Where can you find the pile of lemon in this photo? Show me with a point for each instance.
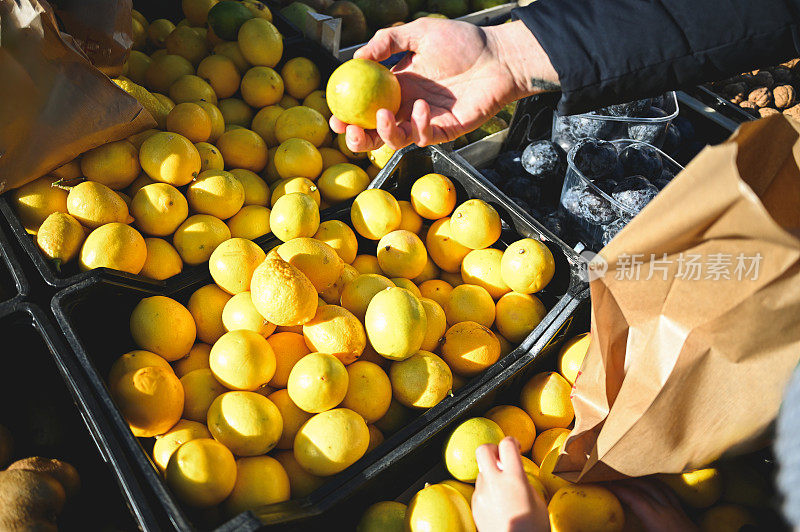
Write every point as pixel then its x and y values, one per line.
pixel 297 362
pixel 234 135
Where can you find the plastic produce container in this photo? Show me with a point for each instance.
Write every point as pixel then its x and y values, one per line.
pixel 94 316
pixel 597 228
pixel 568 129
pixel 13 285
pixel 51 412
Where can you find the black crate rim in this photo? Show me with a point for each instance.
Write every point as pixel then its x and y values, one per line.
pixel 14 267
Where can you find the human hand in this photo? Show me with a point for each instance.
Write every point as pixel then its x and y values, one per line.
pixel 456 77
pixel 656 506
pixel 503 500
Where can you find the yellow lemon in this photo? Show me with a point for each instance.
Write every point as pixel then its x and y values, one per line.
pixel 196 11
pixel 94 204
pixel 385 516
pixel 438 507
pixel 205 305
pixel 341 143
pixel 201 472
pixel 260 480
pixel 196 359
pixel 699 488
pixel 443 248
pixel 282 294
pixel 242 360
pixel 232 51
pixel 163 326
pixel 242 148
pixel 187 43
pixel 532 472
pixel 469 302
pixel 240 313
pixel 258 9
pixel 301 76
pixel 316 100
pixel 294 215
pixel 165 70
pixel 342 182
pixel 261 86
pixel 191 121
pixel 294 184
pixel 381 156
pixel 340 237
pixel 37 200
pixel 247 423
pixel 303 123
pixel 260 42
pixel 136 140
pixel 433 196
pixel 116 246
pixel 210 157
pixel 726 518
pixel 401 254
pixel 421 381
pixel 437 324
pixel 317 382
pixel 482 267
pixel 251 222
pixel 333 294
pixel 198 236
pixel 60 238
pixel 358 89
pixel 373 171
pixel 331 441
pixel 159 209
pixel 115 164
pixel 437 290
pixel 515 422
pixel 317 260
pixel 408 284
pixel 264 123
pixel 395 323
pixel 233 262
pixel 142 181
pixel 289 347
pixel 586 507
pixel 375 213
pixel 139 36
pixel 469 348
pixel 546 398
pixel 518 315
pixel 301 481
pixel 367 264
pixel 331 157
pixel 527 266
pixel 369 391
pixel 357 294
pixel 217 120
pixel 429 272
pixel 409 219
pixel 256 191
pixel 288 102
pixel 293 417
pixel 298 158
pixel 200 389
pixel 133 361
pixel 466 490
pixel 191 88
pixel 220 72
pixel 547 441
pixel 451 278
pixel 475 224
pixel 235 113
pixel 167 104
pixel 170 158
pixel 158 31
pixel 183 431
pixel 150 399
pixel 396 417
pixel 375 437
pixel 459 451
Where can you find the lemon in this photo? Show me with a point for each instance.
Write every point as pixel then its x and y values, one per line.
pixel 317 382
pixel 37 200
pixel 340 237
pixel 201 472
pixel 232 264
pixel 150 399
pixel 162 260
pixel 439 507
pixel 260 480
pixel 316 259
pixel 217 120
pixel 139 36
pixel 358 89
pixel 216 192
pixel 421 381
pixel 196 359
pixel 331 157
pixel 163 326
pixel 187 43
pixel 380 157
pixel 699 488
pixel 301 481
pixel 316 100
pixel 468 302
pixel 550 480
pixel 445 251
pixel 251 222
pixel 331 441
pixel 437 324
pixel 469 348
pixel 282 294
pixel 288 347
pixel 116 246
pixel 395 323
pixel 165 102
pixel 164 71
pixel 375 437
pixel 475 224
pixel 527 266
pixel 198 236
pixel 191 121
pixel 158 31
pixel 294 215
pixel 232 51
pixel 385 516
pixel 264 123
pixel 240 313
pixel 258 9
pixel 115 164
pixel 161 53
pixel 396 417
pixel 367 264
pixel 433 196
pixel 437 290
pixel 357 294
pixel 132 361
pixel 341 143
pixel 518 314
pixel 369 391
pixel 451 278
pixel 586 507
pixel 142 181
pixel 166 444
pixel 210 157
pixel 60 238
pixel 514 421
pixel 292 416
pixel 532 472
pixel 205 305
pixel 459 451
pixel 159 209
pixel 333 294
pixel 373 171
pixel 235 113
pixel 200 389
pixel 245 422
pixel 375 213
pixel 466 490
pixel 261 86
pixel 294 184
pixel 303 123
pixel 256 191
pixel 342 182
pixel 170 158
pixel 298 158
pixel 242 148
pixel 409 219
pixel 191 88
pixel 547 441
pixel 221 73
pixel 288 102
pixel 260 42
pixel 408 284
pixel 196 11
pixel 94 204
pixel 242 360
pixel 726 517
pixel 429 272
pixel 302 77
pixel 546 398
pixel 72 169
pixel 482 267
pixel 401 254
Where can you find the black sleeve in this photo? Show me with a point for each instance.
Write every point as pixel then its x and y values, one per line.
pixel 611 51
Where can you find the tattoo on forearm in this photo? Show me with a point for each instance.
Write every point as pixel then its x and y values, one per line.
pixel 544 85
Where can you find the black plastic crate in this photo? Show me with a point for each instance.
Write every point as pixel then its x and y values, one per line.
pixel 51 412
pixel 94 316
pixel 13 285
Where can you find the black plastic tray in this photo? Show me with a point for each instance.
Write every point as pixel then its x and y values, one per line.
pixel 49 406
pixel 13 284
pixel 94 316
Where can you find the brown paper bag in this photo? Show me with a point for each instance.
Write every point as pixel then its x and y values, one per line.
pixel 694 323
pixel 54 104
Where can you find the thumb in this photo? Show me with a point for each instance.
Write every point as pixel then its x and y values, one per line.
pixel 385 43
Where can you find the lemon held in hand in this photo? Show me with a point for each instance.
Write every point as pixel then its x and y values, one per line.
pixel 358 89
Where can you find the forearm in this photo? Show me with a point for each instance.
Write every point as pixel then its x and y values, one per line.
pixel 611 51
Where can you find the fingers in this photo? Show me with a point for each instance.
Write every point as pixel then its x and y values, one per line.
pixel 392 134
pixel 508 451
pixel 384 43
pixel 337 125
pixel 487 457
pixel 421 123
